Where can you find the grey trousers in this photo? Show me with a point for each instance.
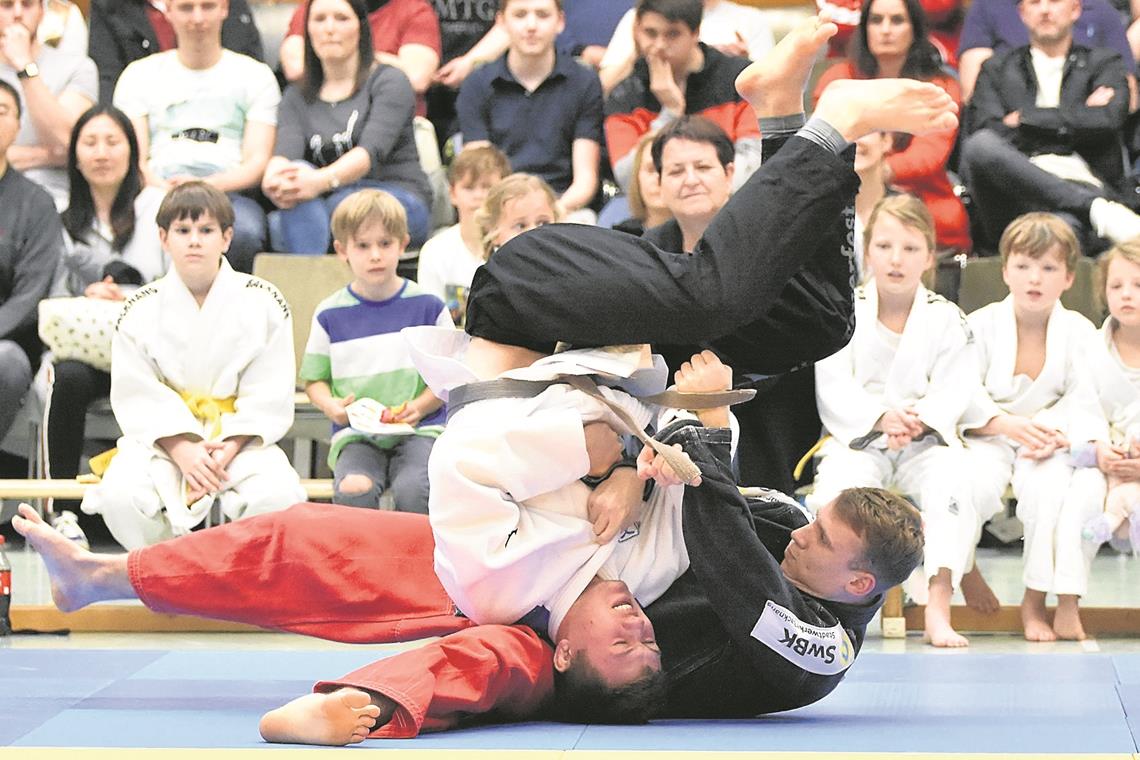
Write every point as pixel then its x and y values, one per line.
pixel 15 379
pixel 403 468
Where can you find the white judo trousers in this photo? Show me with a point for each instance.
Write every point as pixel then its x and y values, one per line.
pixel 236 349
pixel 1054 498
pixel 929 369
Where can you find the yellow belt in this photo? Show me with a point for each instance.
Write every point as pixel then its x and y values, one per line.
pixel 205 409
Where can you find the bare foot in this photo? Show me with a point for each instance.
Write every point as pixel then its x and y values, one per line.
pixel 78 577
pixel 345 716
pixel 774 85
pixel 1067 619
pixel 979 596
pixel 939 632
pixel 856 107
pixel 1034 620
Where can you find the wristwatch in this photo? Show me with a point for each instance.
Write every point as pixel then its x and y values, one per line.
pixel 29 71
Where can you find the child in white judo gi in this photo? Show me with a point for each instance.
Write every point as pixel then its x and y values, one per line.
pixel 201 386
pixel 355 352
pixel 892 398
pixel 1038 408
pixel 1115 363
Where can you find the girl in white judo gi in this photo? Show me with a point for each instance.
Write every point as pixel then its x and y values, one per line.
pixel 1038 408
pixel 1115 363
pixel 202 380
pixel 892 398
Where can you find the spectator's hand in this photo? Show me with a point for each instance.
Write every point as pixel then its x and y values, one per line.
pixel 1100 97
pixel 281 187
pixel 650 464
pixel 738 47
pixel 1023 430
pixel 592 55
pixel 452 73
pixel 898 442
pixel 180 179
pixel 224 452
pixel 203 473
pixel 615 504
pixel 1012 119
pixel 16 46
pixel 410 414
pixel 306 185
pixel 663 86
pixel 1128 469
pixel 106 289
pixel 1107 454
pixel 336 408
pixel 603 446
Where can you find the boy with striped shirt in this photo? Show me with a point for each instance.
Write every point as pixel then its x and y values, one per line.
pixel 355 351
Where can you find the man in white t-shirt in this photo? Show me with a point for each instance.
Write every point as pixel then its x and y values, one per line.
pixel 204 112
pixel 1044 131
pixel 55 86
pixel 731 28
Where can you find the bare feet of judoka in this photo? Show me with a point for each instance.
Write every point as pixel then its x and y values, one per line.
pixel 774 85
pixel 938 631
pixel 78 577
pixel 1067 618
pixel 345 716
pixel 979 596
pixel 1034 620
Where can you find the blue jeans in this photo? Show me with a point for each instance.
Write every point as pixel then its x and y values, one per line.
pixel 249 232
pixel 305 227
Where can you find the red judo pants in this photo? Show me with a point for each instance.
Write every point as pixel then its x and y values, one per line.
pixel 358 576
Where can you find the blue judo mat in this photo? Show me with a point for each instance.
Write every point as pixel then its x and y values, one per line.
pixel 1008 703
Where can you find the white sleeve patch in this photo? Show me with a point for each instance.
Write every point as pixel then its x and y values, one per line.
pixel 823 651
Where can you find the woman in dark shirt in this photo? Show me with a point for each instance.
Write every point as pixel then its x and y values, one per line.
pixel 345 126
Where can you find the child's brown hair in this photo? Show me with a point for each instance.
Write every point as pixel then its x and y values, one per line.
pixel 909 210
pixel 1035 235
pixel 475 163
pixel 193 199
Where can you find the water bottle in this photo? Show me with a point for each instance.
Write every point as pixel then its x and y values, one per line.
pixel 5 591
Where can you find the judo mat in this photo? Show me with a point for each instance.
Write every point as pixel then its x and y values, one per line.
pixel 73 703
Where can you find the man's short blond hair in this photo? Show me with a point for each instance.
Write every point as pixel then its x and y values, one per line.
pixel 368 207
pixel 1035 235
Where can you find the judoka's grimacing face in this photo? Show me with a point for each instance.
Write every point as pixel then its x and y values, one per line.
pixel 1122 291
pixel 1036 284
pixel 822 559
pixel 607 626
pixel 898 255
pixel 196 247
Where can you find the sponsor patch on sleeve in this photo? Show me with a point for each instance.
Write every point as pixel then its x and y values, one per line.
pixel 823 651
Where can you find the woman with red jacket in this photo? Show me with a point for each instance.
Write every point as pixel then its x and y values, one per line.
pixel 891 42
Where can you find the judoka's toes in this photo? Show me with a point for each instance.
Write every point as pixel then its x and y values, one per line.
pixel 1067 625
pixel 326 719
pixel 774 85
pixel 1039 631
pixel 946 638
pixel 858 107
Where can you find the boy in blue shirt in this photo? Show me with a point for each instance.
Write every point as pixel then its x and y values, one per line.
pixel 355 351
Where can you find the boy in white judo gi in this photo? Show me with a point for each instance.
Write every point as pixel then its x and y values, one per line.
pixel 1115 363
pixel 891 401
pixel 1039 406
pixel 201 386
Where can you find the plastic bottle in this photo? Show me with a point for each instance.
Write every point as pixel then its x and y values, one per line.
pixel 5 591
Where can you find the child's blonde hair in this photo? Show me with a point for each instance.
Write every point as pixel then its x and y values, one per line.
pixel 486 160
pixel 368 206
pixel 641 154
pixel 909 210
pixel 1035 234
pixel 508 189
pixel 1129 251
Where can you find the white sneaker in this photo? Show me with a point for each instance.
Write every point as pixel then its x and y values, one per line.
pixel 68 525
pixel 1114 221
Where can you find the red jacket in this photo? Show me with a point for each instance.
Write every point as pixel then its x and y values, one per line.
pixel 920 168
